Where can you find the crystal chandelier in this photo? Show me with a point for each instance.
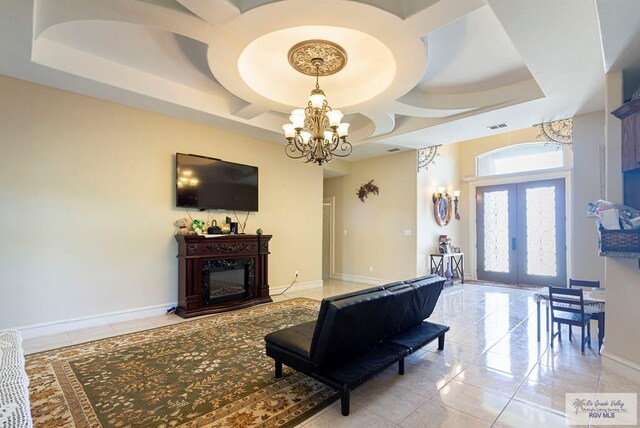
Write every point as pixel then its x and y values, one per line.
pixel 315 133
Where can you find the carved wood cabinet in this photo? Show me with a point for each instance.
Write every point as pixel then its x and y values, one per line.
pixel 629 114
pixel 221 273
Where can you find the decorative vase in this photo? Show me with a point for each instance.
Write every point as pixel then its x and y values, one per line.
pixel 447 273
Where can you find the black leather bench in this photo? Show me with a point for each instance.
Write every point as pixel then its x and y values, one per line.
pixel 360 334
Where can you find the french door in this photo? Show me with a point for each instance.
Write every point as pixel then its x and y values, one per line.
pixel 521 233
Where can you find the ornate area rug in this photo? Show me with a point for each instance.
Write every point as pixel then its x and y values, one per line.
pixel 210 372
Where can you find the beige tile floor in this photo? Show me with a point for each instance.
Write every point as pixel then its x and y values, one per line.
pixel 492 372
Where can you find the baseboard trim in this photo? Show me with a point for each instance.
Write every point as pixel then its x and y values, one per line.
pixel 62 326
pixel 361 279
pixel 621 366
pixel 296 287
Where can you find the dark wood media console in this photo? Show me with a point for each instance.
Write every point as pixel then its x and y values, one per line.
pixel 221 273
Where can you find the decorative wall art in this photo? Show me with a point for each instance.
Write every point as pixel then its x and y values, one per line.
pixel 558 131
pixel 442 207
pixel 426 156
pixel 366 189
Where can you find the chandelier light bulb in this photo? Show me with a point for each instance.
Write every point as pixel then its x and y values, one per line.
pixel 297 118
pixel 289 130
pixel 343 129
pixel 328 135
pixel 317 99
pixel 335 116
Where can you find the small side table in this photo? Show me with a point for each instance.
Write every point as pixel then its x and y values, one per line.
pixel 455 260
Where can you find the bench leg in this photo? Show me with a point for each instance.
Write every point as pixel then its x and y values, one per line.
pixel 344 400
pixel 401 366
pixel 278 369
pixel 441 343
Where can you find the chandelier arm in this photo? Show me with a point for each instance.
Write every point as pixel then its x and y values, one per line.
pixel 291 148
pixel 333 144
pixel 328 156
pixel 299 144
pixel 345 147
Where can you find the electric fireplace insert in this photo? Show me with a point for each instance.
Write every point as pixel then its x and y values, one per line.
pixel 226 280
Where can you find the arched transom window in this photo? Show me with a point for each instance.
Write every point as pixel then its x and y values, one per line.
pixel 520 158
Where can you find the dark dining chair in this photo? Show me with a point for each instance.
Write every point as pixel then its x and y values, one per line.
pixel 567 307
pixel 580 283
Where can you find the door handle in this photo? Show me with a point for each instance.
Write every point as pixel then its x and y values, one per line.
pixel 513 244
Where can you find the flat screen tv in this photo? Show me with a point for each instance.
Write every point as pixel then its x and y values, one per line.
pixel 208 183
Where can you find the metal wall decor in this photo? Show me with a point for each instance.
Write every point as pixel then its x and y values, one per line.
pixel 426 156
pixel 558 131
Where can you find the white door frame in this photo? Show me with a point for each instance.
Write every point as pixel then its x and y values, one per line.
pixel 331 201
pixel 475 182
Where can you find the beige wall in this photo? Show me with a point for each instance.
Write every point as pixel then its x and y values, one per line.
pixel 622 276
pixel 444 172
pixel 588 136
pixel 88 204
pixel 375 229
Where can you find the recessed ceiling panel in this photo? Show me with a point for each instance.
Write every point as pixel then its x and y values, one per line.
pixel 472 54
pixel 156 52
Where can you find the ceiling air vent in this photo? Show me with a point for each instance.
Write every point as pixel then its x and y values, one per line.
pixel 498 126
pixel 393 150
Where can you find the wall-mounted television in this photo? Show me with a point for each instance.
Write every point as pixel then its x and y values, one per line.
pixel 208 183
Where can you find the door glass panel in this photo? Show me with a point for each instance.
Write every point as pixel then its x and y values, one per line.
pixel 541 231
pixel 496 231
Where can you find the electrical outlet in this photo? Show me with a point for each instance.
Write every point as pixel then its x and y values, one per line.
pixel 370 268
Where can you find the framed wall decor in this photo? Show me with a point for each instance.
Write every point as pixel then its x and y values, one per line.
pixel 442 207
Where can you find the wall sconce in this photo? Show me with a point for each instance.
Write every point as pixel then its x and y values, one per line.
pixel 456 193
pixel 442 191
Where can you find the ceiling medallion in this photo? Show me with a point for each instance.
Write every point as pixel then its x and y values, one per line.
pixel 302 56
pixel 315 133
pixel 558 131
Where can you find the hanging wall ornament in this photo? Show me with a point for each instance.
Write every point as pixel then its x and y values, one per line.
pixel 366 189
pixel 426 156
pixel 558 131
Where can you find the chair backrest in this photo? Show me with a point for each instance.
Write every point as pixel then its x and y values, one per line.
pixel 566 300
pixel 349 324
pixel 404 296
pixel 575 283
pixel 428 289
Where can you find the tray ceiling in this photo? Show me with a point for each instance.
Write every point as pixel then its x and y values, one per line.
pixel 418 72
